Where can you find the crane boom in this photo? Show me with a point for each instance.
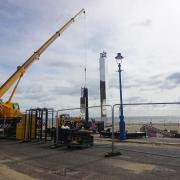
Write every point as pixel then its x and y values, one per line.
pixel 21 69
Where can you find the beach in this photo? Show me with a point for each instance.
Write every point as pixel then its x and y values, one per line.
pixel 135 127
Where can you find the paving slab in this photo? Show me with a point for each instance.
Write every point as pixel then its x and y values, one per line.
pixel 38 161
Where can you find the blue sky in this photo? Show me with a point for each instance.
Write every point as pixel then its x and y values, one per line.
pixel 145 32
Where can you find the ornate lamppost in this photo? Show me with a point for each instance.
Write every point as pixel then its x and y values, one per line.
pixel 122 134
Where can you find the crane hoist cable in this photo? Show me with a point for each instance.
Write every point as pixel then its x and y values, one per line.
pixel 85 53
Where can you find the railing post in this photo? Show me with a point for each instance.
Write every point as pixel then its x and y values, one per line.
pixel 57 128
pixel 112 153
pixel 112 109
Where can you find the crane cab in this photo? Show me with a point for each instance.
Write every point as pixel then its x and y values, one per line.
pixel 10 110
pixel 15 106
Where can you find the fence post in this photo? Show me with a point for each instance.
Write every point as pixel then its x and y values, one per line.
pixel 112 153
pixel 112 109
pixel 57 129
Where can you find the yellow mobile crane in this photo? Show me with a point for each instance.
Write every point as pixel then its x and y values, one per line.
pixel 10 110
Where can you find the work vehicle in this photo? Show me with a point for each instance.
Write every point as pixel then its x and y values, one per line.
pixel 73 122
pixel 10 110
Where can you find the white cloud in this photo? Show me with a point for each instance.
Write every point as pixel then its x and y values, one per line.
pixel 145 32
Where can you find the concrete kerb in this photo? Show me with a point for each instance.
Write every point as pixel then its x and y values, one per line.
pixel 141 142
pixel 150 142
pixel 147 142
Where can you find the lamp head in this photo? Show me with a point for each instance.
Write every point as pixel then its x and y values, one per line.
pixel 119 58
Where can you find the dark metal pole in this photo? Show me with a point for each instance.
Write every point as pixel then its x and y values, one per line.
pixel 121 117
pixel 86 104
pixel 46 123
pixel 112 109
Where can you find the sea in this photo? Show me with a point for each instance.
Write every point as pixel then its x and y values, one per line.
pixel 144 119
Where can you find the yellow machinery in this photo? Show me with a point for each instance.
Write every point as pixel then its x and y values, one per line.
pixel 23 131
pixel 10 110
pixel 73 133
pixel 20 129
pixel 72 122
